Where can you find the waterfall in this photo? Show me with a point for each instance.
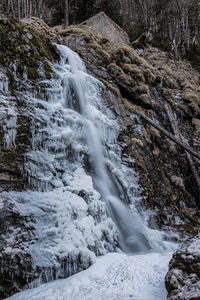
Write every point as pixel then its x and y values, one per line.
pixel 83 195
pixel 130 237
pixel 75 132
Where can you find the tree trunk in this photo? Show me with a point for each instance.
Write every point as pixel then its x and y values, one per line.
pixel 179 135
pixel 66 21
pixel 172 137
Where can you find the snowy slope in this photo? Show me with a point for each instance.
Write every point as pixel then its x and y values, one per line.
pixel 113 277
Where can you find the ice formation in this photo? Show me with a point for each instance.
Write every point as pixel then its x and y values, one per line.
pixel 8 116
pixel 76 174
pixel 113 277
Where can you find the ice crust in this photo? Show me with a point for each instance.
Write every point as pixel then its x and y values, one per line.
pixel 114 277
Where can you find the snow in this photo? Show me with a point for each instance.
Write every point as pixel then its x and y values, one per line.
pixel 194 248
pixel 114 277
pixel 3 82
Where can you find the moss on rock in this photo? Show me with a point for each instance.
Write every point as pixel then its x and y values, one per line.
pixel 23 47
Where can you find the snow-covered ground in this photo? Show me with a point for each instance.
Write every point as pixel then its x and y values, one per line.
pixel 114 276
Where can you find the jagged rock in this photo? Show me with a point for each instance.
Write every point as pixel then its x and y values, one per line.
pixel 40 26
pixel 103 24
pixel 183 278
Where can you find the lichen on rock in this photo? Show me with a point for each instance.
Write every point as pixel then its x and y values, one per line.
pixel 24 49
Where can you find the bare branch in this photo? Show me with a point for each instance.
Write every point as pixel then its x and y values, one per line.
pixel 172 137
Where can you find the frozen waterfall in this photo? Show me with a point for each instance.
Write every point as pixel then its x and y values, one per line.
pixel 75 129
pixel 83 197
pixel 130 237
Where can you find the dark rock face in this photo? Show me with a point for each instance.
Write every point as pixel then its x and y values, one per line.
pixel 183 278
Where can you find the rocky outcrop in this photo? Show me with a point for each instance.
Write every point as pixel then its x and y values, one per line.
pixel 143 80
pixel 103 24
pixel 22 51
pixel 183 278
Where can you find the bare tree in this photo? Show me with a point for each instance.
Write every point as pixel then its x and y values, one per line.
pixel 66 15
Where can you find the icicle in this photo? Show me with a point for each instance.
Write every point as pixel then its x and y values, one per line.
pixel 9 128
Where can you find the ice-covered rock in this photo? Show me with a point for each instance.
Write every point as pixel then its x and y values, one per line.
pixel 114 276
pixel 183 278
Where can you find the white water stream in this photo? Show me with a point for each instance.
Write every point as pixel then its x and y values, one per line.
pixel 131 239
pixel 74 165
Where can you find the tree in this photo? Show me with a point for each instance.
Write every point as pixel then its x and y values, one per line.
pixel 66 15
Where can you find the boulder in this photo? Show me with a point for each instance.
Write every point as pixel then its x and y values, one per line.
pixel 183 278
pixel 103 24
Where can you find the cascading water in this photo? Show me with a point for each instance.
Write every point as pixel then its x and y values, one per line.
pixel 131 239
pixel 75 163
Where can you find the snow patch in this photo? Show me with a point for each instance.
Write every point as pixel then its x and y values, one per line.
pixel 114 277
